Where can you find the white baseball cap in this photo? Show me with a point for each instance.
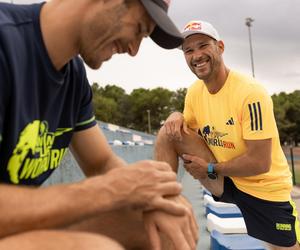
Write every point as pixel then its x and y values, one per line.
pixel 200 27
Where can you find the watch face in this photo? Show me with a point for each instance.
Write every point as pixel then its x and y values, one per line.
pixel 212 176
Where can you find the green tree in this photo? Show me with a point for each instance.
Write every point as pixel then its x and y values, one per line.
pixel 287 114
pixel 178 98
pixel 106 109
pixel 160 106
pixel 108 103
pixel 157 101
pixel 293 115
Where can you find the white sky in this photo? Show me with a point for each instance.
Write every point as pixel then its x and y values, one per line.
pixel 275 38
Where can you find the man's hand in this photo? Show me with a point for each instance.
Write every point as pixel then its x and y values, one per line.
pixel 145 185
pixel 182 231
pixel 175 125
pixel 196 166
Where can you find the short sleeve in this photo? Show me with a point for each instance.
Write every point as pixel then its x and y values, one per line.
pixel 4 91
pixel 86 117
pixel 258 120
pixel 188 112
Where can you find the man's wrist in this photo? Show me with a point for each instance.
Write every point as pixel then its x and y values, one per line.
pixel 211 172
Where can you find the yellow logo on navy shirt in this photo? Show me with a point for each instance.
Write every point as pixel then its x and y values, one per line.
pixel 213 138
pixel 34 152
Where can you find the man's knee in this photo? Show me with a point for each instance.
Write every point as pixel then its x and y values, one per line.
pixel 57 240
pixel 164 140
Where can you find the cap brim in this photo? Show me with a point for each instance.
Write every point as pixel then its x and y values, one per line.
pixel 165 33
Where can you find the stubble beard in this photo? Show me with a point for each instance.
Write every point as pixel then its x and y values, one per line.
pixel 101 36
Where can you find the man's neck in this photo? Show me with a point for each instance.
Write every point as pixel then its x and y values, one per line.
pixel 214 85
pixel 59 38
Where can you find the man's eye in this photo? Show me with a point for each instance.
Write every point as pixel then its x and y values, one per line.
pixel 188 51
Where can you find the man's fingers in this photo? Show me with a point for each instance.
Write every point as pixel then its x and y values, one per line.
pixel 177 132
pixel 194 227
pixel 168 206
pixel 167 128
pixel 163 166
pixel 167 176
pixel 153 235
pixel 187 157
pixel 185 128
pixel 180 241
pixel 192 218
pixel 173 130
pixel 169 189
pixel 190 238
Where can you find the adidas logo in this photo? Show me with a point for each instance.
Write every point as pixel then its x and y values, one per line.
pixel 230 121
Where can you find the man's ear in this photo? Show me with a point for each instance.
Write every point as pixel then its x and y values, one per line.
pixel 221 45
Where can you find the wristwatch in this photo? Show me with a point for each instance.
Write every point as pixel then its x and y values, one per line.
pixel 211 171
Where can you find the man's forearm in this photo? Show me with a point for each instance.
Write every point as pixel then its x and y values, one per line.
pixel 241 166
pixel 24 209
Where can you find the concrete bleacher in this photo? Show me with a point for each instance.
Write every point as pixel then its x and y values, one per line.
pixel 69 171
pixel 223 212
pixel 114 132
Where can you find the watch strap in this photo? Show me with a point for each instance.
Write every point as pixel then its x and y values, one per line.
pixel 211 168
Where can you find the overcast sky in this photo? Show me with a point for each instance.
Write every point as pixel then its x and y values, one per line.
pixel 275 37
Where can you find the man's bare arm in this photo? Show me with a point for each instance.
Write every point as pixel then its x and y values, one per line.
pixel 24 208
pixel 257 160
pixel 92 152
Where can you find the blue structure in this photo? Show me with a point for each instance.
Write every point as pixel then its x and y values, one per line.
pixel 234 242
pixel 224 212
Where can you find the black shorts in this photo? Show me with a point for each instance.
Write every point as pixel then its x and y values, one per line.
pixel 269 221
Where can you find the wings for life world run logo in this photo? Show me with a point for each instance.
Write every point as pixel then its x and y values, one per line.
pixel 34 155
pixel 214 138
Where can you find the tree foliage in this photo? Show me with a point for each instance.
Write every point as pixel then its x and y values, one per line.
pixel 287 114
pixel 112 104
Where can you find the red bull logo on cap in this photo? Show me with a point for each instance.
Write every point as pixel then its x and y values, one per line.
pixel 192 26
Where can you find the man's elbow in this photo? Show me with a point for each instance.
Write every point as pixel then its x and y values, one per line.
pixel 264 165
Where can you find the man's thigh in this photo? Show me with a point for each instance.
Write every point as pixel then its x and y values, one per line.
pixel 58 240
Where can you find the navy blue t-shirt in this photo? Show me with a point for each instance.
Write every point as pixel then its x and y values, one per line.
pixel 40 107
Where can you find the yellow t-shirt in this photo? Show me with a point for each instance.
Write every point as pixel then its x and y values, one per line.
pixel 241 110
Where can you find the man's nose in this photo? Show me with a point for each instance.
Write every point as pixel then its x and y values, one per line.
pixel 197 54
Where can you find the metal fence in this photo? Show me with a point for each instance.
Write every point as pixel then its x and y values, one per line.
pixel 293 156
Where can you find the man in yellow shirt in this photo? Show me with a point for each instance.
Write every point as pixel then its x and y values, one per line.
pixel 234 117
pixel 46 109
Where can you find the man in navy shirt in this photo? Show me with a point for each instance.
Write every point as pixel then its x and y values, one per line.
pixel 45 108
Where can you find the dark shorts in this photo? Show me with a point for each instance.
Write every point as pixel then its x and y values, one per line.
pixel 272 222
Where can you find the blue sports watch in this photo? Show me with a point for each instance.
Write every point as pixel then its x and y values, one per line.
pixel 211 171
